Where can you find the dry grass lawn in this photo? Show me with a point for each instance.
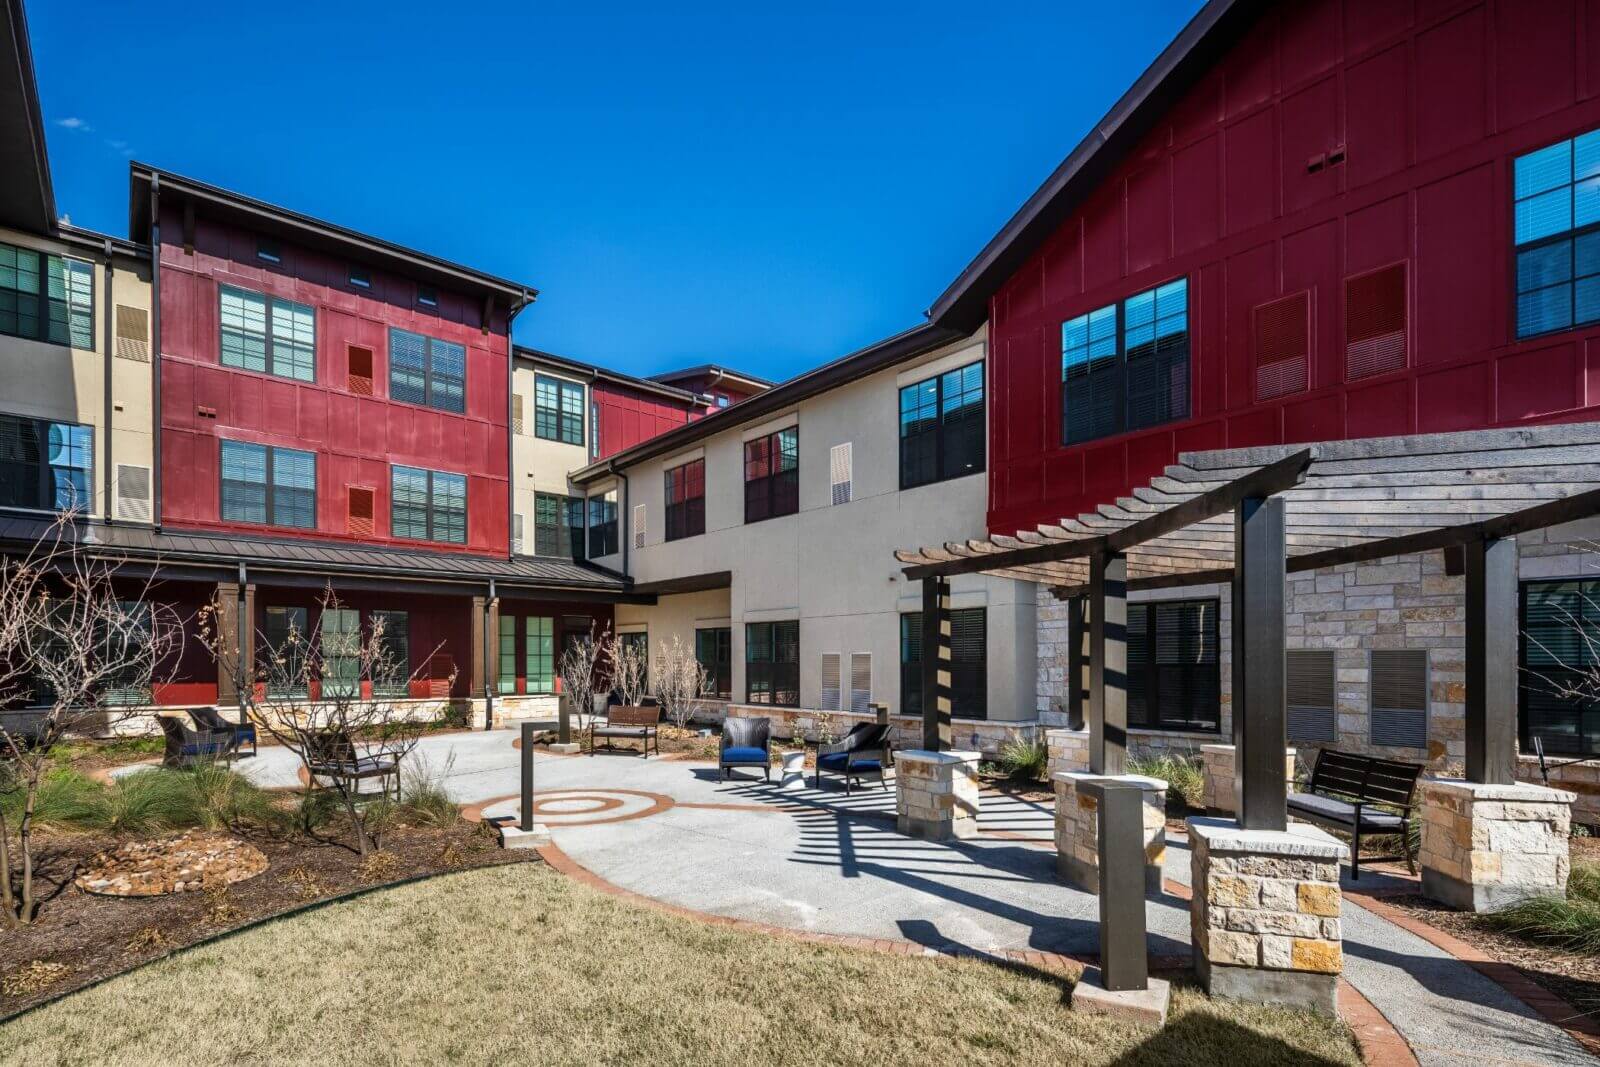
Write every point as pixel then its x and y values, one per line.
pixel 519 964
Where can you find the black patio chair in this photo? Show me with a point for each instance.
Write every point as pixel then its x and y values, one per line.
pixel 186 747
pixel 24 727
pixel 208 718
pixel 861 753
pixel 746 743
pixel 332 754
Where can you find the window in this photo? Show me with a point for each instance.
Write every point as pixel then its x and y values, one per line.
pixel 1126 366
pixel 722 401
pixel 557 410
pixel 594 429
pixel 428 505
pixel 427 296
pixel 686 500
pixel 772 663
pixel 267 334
pixel 1174 681
pixel 360 277
pixel 640 643
pixel 269 486
pixel 268 250
pixel 941 427
pixel 391 671
pixel 508 654
pixel 46 298
pixel 126 685
pixel 603 524
pixel 45 465
pixel 713 647
pixel 540 655
pixel 969 663
pixel 1557 211
pixel 1398 685
pixel 428 371
pixel 772 475
pixel 340 637
pixel 557 525
pixel 1560 624
pixel 1310 691
pixel 283 646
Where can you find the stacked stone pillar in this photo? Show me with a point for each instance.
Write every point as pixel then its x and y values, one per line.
pixel 936 794
pixel 1486 847
pixel 1068 749
pixel 1217 790
pixel 1078 829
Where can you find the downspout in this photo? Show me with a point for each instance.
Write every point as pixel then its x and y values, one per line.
pixel 511 440
pixel 491 669
pixel 246 655
pixel 110 310
pixel 155 338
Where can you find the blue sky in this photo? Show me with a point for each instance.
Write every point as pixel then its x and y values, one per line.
pixel 709 183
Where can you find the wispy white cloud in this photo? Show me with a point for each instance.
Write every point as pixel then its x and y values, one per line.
pixel 73 122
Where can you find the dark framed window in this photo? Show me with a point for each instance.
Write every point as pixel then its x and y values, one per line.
pixel 427 296
pixel 772 475
pixel 594 429
pixel 126 686
pixel 392 671
pixel 1174 677
pixel 1558 654
pixel 640 643
pixel 46 298
pixel 428 505
pixel 267 334
pixel 686 500
pixel 427 371
pixel 1125 366
pixel 1556 208
pixel 339 635
pixel 45 465
pixel 269 486
pixel 941 427
pixel 508 654
pixel 557 410
pixel 539 655
pixel 713 647
pixel 557 525
pixel 284 642
pixel 361 277
pixel 969 663
pixel 603 525
pixel 269 250
pixel 772 663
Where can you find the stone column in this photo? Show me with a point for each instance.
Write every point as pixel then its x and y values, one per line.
pixel 1487 847
pixel 1069 750
pixel 936 794
pixel 1216 761
pixel 1078 829
pixel 1264 917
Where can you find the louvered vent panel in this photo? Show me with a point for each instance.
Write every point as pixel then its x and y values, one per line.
pixel 638 526
pixel 359 378
pixel 133 333
pixel 1282 332
pixel 516 413
pixel 840 464
pixel 1310 692
pixel 133 493
pixel 360 508
pixel 830 681
pixel 1399 690
pixel 860 681
pixel 516 534
pixel 1375 322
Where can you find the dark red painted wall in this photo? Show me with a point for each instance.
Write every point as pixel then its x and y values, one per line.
pixel 356 438
pixel 626 417
pixel 1432 101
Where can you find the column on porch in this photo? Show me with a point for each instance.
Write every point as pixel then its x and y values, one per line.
pixel 1068 746
pixel 485 673
pixel 936 789
pixel 235 623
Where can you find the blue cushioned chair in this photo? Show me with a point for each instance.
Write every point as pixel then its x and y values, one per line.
pixel 746 743
pixel 863 752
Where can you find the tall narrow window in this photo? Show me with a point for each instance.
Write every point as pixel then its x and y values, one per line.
pixel 772 663
pixel 269 486
pixel 969 663
pixel 508 654
pixel 391 670
pixel 428 505
pixel 772 475
pixel 125 685
pixel 555 533
pixel 45 465
pixel 603 524
pixel 267 334
pixel 341 652
pixel 640 643
pixel 1126 366
pixel 557 410
pixel 686 500
pixel 428 371
pixel 1174 681
pixel 283 646
pixel 941 427
pixel 46 298
pixel 1557 220
pixel 713 647
pixel 1560 650
pixel 539 665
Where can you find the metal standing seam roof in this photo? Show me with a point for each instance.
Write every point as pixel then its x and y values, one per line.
pixel 1345 501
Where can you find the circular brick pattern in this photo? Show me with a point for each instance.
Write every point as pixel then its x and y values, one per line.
pixel 577 807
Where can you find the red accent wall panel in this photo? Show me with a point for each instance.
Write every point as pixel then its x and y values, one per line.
pixel 1336 138
pixel 628 417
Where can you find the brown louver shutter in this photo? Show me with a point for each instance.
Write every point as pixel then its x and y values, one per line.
pixel 1399 690
pixel 1282 332
pixel 1375 322
pixel 360 500
pixel 1312 714
pixel 360 370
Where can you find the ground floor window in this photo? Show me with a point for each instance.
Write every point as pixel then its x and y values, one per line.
pixel 969 663
pixel 392 669
pixel 283 646
pixel 508 654
pixel 1174 673
pixel 46 465
pixel 713 647
pixel 340 638
pixel 772 663
pixel 1558 703
pixel 640 643
pixel 539 655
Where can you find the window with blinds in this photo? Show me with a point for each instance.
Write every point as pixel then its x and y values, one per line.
pixel 969 653
pixel 1557 233
pixel 1125 366
pixel 685 494
pixel 267 334
pixel 713 647
pixel 269 486
pixel 557 410
pixel 427 505
pixel 941 427
pixel 427 371
pixel 772 663
pixel 557 525
pixel 1398 687
pixel 1174 677
pixel 1560 647
pixel 46 298
pixel 772 475
pixel 45 465
pixel 1311 695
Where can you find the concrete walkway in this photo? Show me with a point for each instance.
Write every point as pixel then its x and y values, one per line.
pixel 816 860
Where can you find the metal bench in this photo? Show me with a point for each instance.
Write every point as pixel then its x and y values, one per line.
pixel 333 755
pixel 638 724
pixel 1343 790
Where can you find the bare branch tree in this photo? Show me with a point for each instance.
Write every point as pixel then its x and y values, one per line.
pixel 629 665
pixel 681 681
pixel 580 671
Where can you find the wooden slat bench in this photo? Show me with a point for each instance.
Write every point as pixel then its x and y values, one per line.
pixel 640 724
pixel 1343 791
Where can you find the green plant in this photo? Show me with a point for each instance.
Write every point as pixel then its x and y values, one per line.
pixel 148 801
pixel 423 799
pixel 67 799
pixel 1025 758
pixel 225 798
pixel 1185 780
pixel 315 809
pixel 1571 922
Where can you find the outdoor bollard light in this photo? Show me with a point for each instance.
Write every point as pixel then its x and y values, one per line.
pixel 1123 965
pixel 564 718
pixel 527 776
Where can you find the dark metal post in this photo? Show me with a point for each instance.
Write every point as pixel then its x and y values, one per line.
pixel 1108 663
pixel 527 777
pixel 1078 663
pixel 936 658
pixel 1258 664
pixel 1491 601
pixel 1121 843
pixel 564 719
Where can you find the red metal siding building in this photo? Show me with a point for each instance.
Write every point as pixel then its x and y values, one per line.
pixel 1334 179
pixel 627 416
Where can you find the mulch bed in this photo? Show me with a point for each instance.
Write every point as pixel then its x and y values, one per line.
pixel 94 937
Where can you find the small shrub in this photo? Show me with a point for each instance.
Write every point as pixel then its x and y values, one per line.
pixel 315 809
pixel 1571 922
pixel 33 977
pixel 1022 758
pixel 1185 780
pixel 67 800
pixel 149 801
pixel 380 866
pixel 149 937
pixel 423 799
pixel 225 798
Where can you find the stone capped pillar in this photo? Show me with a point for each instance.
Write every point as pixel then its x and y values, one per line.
pixel 1217 790
pixel 1078 829
pixel 1264 917
pixel 1487 847
pixel 936 794
pixel 1069 750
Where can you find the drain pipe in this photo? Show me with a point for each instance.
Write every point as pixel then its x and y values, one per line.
pixel 488 661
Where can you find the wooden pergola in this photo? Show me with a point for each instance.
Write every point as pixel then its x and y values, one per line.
pixel 1251 516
